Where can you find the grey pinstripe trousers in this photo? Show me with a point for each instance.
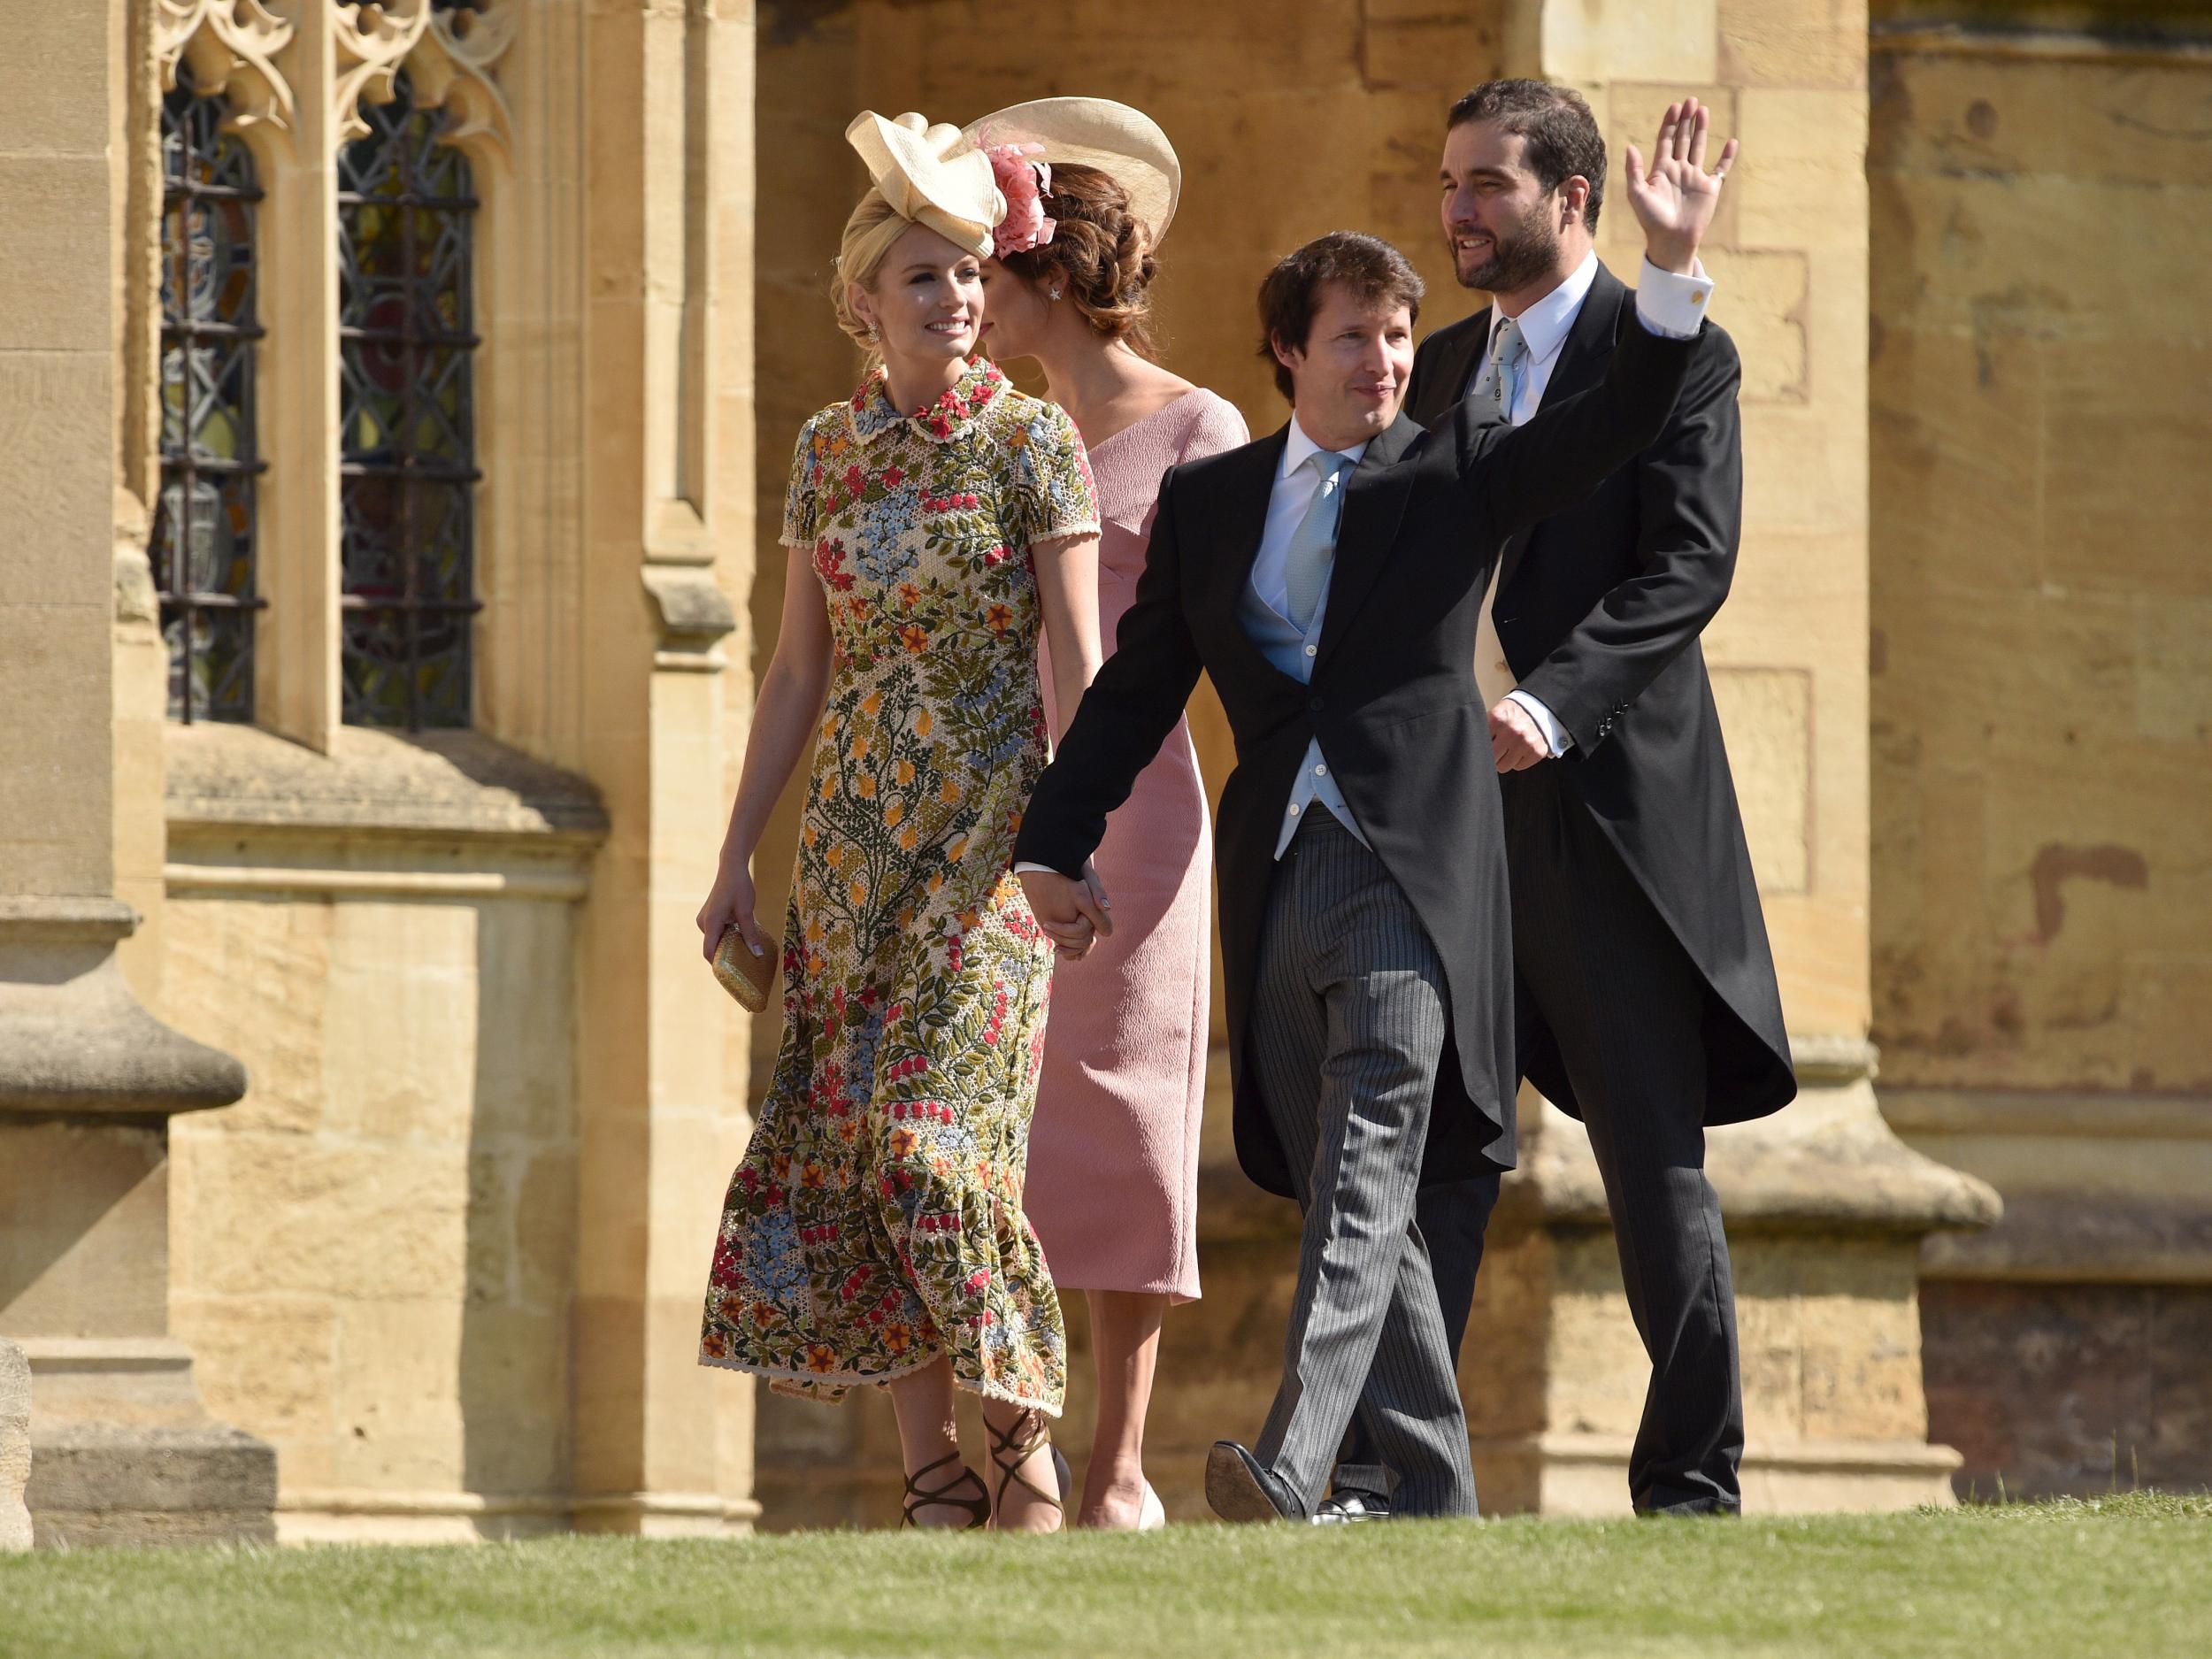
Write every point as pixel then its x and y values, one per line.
pixel 1348 1022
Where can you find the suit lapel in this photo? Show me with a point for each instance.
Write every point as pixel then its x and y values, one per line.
pixel 1240 511
pixel 1581 365
pixel 1456 354
pixel 1236 520
pixel 1374 501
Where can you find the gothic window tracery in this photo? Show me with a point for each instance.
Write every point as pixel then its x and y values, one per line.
pixel 406 210
pixel 205 534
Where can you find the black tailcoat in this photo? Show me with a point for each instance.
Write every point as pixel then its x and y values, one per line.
pixel 1393 701
pixel 1599 609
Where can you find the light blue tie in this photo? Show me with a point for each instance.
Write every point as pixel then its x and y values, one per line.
pixel 1508 361
pixel 1312 550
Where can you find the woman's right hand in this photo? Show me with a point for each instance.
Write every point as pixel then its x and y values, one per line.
pixel 730 901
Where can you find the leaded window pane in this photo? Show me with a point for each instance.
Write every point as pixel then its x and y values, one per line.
pixel 407 344
pixel 203 535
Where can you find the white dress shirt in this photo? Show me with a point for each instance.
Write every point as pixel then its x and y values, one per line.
pixel 1667 305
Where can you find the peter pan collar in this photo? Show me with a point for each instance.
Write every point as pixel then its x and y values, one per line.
pixel 872 413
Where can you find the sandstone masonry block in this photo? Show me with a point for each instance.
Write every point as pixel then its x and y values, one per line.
pixel 1790 44
pixel 59 206
pixel 15 1446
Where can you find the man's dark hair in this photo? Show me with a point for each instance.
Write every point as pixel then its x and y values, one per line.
pixel 1290 293
pixel 1562 134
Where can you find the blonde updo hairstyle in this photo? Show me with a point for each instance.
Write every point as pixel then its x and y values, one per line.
pixel 870 234
pixel 1100 256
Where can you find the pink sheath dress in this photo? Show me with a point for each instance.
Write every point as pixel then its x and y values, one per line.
pixel 1112 1189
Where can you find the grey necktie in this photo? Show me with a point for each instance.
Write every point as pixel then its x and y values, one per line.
pixel 1502 372
pixel 1312 550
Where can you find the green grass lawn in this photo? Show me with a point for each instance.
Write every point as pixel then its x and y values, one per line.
pixel 2125 1576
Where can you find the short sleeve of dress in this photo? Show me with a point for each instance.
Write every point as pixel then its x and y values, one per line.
pixel 800 527
pixel 1054 493
pixel 1218 428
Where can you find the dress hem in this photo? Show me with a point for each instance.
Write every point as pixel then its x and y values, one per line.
pixel 876 1379
pixel 1175 1298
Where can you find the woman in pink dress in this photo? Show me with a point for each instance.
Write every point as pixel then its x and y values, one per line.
pixel 1112 1186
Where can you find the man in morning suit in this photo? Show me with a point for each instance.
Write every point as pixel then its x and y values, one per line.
pixel 1329 578
pixel 1646 1002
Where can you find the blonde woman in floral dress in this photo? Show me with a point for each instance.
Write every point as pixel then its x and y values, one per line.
pixel 938 522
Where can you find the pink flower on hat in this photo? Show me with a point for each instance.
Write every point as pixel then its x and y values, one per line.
pixel 1024 183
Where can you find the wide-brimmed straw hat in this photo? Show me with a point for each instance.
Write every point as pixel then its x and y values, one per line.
pixel 933 175
pixel 1126 145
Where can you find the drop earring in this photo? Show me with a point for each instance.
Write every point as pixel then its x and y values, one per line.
pixel 875 339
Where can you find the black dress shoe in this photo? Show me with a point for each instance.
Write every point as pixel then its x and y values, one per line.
pixel 1690 1509
pixel 1241 1488
pixel 1343 1508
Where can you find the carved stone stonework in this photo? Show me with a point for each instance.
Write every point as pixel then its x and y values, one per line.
pixel 15 1446
pixel 448 55
pixel 693 617
pixel 121 1450
pixel 77 1039
pixel 233 46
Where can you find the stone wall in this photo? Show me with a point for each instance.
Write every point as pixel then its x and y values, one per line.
pixel 450 1254
pixel 15 1446
pixel 374 1252
pixel 2042 635
pixel 2042 715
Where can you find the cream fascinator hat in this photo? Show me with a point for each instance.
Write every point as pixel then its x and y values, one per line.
pixel 1124 144
pixel 933 175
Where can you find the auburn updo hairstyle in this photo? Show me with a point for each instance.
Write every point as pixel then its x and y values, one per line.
pixel 1100 256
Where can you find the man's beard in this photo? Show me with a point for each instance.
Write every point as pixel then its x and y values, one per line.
pixel 1517 259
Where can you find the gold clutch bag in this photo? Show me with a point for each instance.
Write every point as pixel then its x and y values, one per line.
pixel 743 975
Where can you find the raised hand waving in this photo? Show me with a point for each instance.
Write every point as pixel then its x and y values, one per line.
pixel 1675 198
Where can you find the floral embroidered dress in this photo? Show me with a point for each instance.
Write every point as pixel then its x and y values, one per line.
pixel 876 1221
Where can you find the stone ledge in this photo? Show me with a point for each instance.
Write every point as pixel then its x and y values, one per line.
pixel 1567 1473
pixel 125 1475
pixel 47 921
pixel 2085 1115
pixel 2099 1188
pixel 362 1514
pixel 76 1041
pixel 1827 1164
pixel 561 884
pixel 374 782
pixel 2083 1238
pixel 123 1451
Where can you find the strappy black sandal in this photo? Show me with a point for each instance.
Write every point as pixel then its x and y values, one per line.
pixel 978 1507
pixel 1012 1451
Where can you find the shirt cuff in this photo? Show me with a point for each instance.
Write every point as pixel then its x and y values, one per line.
pixel 1026 864
pixel 1670 305
pixel 1556 737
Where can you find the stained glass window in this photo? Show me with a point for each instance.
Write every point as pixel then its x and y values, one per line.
pixel 406 212
pixel 203 550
